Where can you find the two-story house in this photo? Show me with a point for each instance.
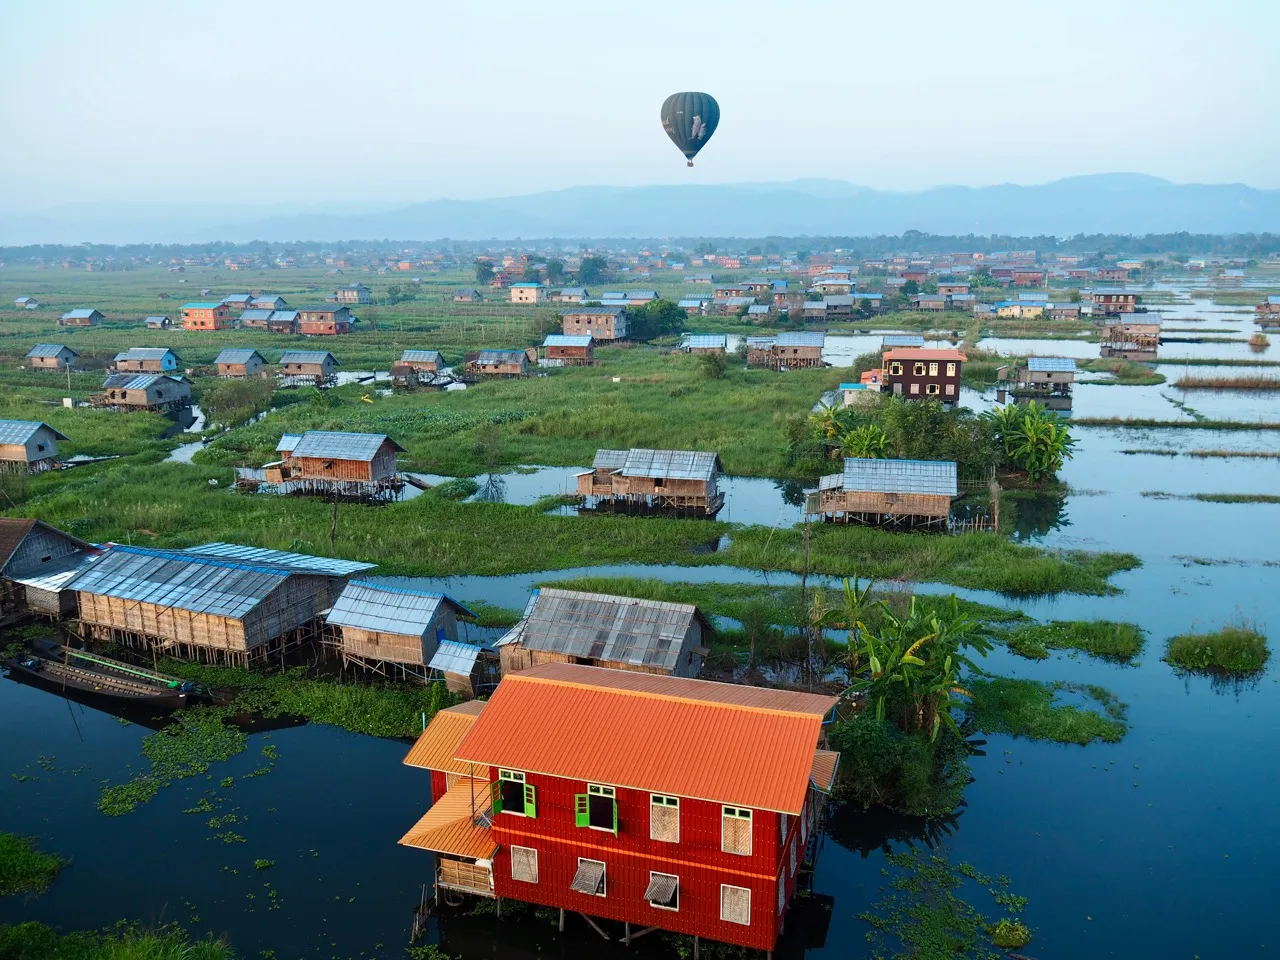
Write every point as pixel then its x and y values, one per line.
pixel 633 799
pixel 206 315
pixel 923 372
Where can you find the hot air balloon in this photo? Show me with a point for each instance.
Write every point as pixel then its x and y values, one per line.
pixel 690 119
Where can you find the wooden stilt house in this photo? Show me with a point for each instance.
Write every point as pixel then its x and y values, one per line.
pixel 1039 377
pixel 641 480
pixel 28 446
pixel 786 351
pixel 900 494
pixel 155 392
pixel 1136 333
pixel 416 367
pixel 238 364
pixel 335 464
pixel 568 350
pixel 52 356
pixel 36 561
pixel 498 363
pixel 625 633
pixel 308 368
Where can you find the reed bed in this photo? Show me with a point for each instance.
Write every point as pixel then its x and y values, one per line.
pixel 1228 383
pixel 35 941
pixel 24 868
pixel 1237 649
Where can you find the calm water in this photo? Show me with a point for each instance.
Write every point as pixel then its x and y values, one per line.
pixel 1160 846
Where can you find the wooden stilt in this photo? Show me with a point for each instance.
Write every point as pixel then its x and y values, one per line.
pixel 626 932
pixel 594 926
pixel 499 908
pixel 641 933
pixel 695 947
pixel 562 919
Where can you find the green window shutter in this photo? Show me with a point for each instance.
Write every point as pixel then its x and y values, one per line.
pixel 530 801
pixel 581 814
pixel 495 796
pixel 615 817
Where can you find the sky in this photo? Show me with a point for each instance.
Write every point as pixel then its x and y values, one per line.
pixel 281 102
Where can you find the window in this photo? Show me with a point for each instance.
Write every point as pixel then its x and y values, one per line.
pixel 794 845
pixel 951 369
pixel 512 795
pixel 782 894
pixel 590 878
pixel 931 389
pixel 735 904
pixel 664 818
pixel 917 369
pixel 782 830
pixel 663 892
pixel 915 388
pixel 597 809
pixel 895 369
pixel 933 369
pixel 951 389
pixel 524 864
pixel 735 831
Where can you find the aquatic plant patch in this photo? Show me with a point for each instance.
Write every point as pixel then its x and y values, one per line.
pixel 1237 649
pixel 1214 497
pixel 1227 383
pixel 25 868
pixel 1106 639
pixel 36 941
pixel 1028 708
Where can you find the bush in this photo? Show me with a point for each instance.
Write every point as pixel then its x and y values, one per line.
pixel 912 775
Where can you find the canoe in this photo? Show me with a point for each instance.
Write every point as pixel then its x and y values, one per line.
pixel 65 669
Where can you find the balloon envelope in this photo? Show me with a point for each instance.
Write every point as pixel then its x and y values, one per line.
pixel 690 119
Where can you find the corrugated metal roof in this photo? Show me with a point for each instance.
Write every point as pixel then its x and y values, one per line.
pixel 1051 364
pixel 49 350
pixel 452 656
pixel 256 315
pixel 612 302
pixel 340 445
pixel 287 442
pixel 823 772
pixel 136 381
pixel 437 745
pixel 924 353
pixel 78 314
pixel 290 316
pixel 185 581
pixel 234 355
pixel 307 356
pixel 567 340
pixel 691 302
pixel 421 356
pixel 54 575
pixel 802 339
pixel 501 356
pixel 831 481
pixel 675 464
pixel 758 308
pixel 613 295
pixel 238 298
pixel 385 609
pixel 902 340
pixel 593 311
pixel 146 353
pixel 451 827
pixel 301 562
pixel 706 341
pixel 158 319
pixel 724 743
pixel 763 343
pixel 900 476
pixel 204 305
pixel 573 292
pixel 609 460
pixel 20 431
pixel 603 627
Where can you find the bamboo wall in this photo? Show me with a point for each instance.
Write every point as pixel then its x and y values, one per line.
pixel 513 657
pixel 896 504
pixel 400 647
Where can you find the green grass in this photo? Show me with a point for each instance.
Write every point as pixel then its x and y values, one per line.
pixel 1237 649
pixel 24 868
pixel 1125 373
pixel 1214 497
pixel 1227 383
pixel 35 941
pixel 1105 639
pixel 1028 708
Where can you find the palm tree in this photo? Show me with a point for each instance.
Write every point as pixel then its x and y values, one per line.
pixel 867 442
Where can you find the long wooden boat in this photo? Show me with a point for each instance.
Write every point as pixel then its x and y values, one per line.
pixel 63 669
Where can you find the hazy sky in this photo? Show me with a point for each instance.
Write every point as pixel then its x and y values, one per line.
pixel 266 100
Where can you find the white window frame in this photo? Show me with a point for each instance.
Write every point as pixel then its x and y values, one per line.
pixel 604 876
pixel 782 894
pixel 536 875
pixel 674 804
pixel 601 790
pixel 745 923
pixel 737 814
pixel 658 906
pixel 512 776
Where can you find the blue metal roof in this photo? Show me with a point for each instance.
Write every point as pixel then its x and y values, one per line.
pixel 78 314
pixel 900 476
pixel 706 341
pixel 307 356
pixel 1051 364
pixel 593 311
pixel 49 350
pixel 257 314
pixel 421 356
pixel 902 340
pixel 802 339
pixel 452 656
pixel 387 609
pixel 340 445
pixel 567 340
pixel 502 356
pixel 20 431
pixel 301 562
pixel 136 381
pixel 146 353
pixel 234 355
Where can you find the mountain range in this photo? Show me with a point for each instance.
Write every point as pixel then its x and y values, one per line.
pixel 1102 203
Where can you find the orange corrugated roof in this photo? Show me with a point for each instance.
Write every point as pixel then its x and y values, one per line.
pixel 450 827
pixel 726 743
pixel 823 772
pixel 923 353
pixel 438 744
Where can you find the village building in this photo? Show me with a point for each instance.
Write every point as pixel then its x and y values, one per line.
pixel 235 605
pixel 698 278
pixel 238 363
pixel 1028 277
pixel 641 480
pixel 160 322
pixel 569 350
pixel 528 292
pixel 466 295
pixel 282 321
pixel 758 286
pixel 1111 274
pixel 901 494
pixel 1138 335
pixel 1062 311
pixel 238 301
pixel 267 303
pixel 602 630
pixel 28 446
pixel 393 630
pixel 336 465
pixel 560 792
pixel 52 356
pixel 206 315
pixel 1113 301
pixel 694 306
pixel 731 306
pixel 759 312
pixel 1268 308
pixel 255 319
pixel 950 287
pixel 322 321
pixel 498 363
pixel 571 295
pixel 416 367
pixel 923 372
pixel 26 303
pixel 891 340
pixel 36 560
pixel 146 360
pixel 833 287
pixel 602 323
pixel 705 343
pixel 786 351
pixel 929 301
pixel 307 368
pixel 638 298
pixel 80 318
pixel 155 392
pixel 356 293
pixel 1039 376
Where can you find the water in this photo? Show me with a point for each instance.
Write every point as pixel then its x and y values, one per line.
pixel 1160 846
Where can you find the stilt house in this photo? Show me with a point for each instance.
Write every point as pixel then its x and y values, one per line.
pixel 786 351
pixel 1139 334
pixel 80 318
pixel 146 360
pixel 356 466
pixel 1040 376
pixel 499 363
pixel 570 792
pixel 894 493
pixel 36 561
pixel 569 350
pixel 28 446
pixel 143 391
pixel 52 356
pixel 705 343
pixel 638 480
pixel 308 368
pixel 236 363
pixel 602 323
pixel 416 367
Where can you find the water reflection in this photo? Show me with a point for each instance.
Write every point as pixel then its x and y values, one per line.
pixel 1034 514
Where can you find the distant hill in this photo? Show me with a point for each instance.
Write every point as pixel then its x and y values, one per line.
pixel 1104 203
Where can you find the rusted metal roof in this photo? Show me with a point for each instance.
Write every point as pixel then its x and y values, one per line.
pixel 437 745
pixel 724 743
pixel 451 827
pixel 823 772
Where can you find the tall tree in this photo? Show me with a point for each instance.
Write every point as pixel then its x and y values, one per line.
pixel 484 271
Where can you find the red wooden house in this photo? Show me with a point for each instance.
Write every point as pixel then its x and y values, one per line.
pixel 564 790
